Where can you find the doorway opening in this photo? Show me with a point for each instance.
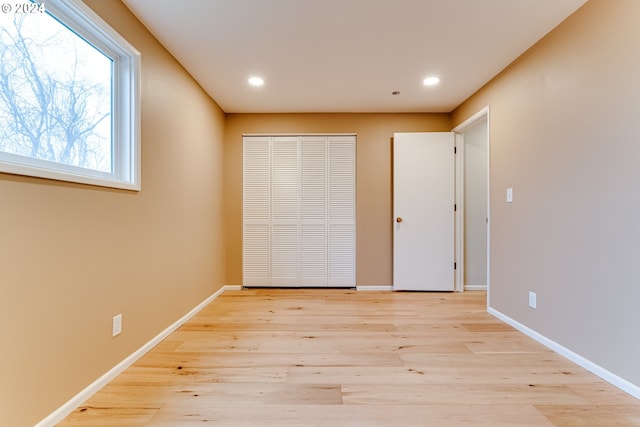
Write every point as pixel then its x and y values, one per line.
pixel 472 198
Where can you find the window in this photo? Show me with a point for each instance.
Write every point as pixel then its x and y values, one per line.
pixel 69 96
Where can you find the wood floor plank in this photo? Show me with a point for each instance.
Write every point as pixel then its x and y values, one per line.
pixel 599 392
pixel 356 416
pixel 488 327
pixel 446 375
pixel 293 324
pixel 371 375
pixel 313 357
pixel 591 415
pixel 452 394
pixel 314 342
pixel 505 345
pixel 165 376
pixel 203 395
pixel 108 417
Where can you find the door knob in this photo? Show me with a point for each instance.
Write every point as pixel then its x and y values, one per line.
pixel 399 219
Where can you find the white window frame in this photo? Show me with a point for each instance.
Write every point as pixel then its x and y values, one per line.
pixel 125 111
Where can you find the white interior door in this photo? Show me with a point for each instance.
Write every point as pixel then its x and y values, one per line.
pixel 423 204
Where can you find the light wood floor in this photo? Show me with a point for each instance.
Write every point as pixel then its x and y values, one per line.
pixel 346 358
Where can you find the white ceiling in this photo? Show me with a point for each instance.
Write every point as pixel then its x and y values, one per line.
pixel 347 55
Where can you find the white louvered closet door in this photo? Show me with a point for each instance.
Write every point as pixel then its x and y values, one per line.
pixel 285 188
pixel 313 211
pixel 256 247
pixel 342 211
pixel 299 211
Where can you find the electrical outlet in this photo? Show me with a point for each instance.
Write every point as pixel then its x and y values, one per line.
pixel 117 325
pixel 533 300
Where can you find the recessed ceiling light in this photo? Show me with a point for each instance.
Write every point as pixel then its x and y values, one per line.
pixel 430 81
pixel 256 81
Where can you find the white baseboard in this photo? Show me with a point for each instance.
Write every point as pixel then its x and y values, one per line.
pixel 598 370
pixel 475 287
pixel 374 288
pixel 59 414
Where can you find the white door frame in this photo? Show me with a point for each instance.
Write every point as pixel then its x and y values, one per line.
pixel 483 114
pixel 459 221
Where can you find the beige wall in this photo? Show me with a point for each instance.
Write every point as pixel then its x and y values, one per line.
pixel 373 178
pixel 565 134
pixel 73 256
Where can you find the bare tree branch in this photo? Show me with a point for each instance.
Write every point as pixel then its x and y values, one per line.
pixel 45 114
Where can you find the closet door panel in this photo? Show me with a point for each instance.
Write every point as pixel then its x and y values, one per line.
pixel 313 211
pixel 342 211
pixel 256 211
pixel 285 188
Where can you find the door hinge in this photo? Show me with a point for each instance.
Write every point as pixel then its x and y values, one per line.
pixel 455 207
pixel 455 265
pixel 455 150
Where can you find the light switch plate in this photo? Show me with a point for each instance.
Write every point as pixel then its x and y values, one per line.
pixel 509 195
pixel 533 303
pixel 117 325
